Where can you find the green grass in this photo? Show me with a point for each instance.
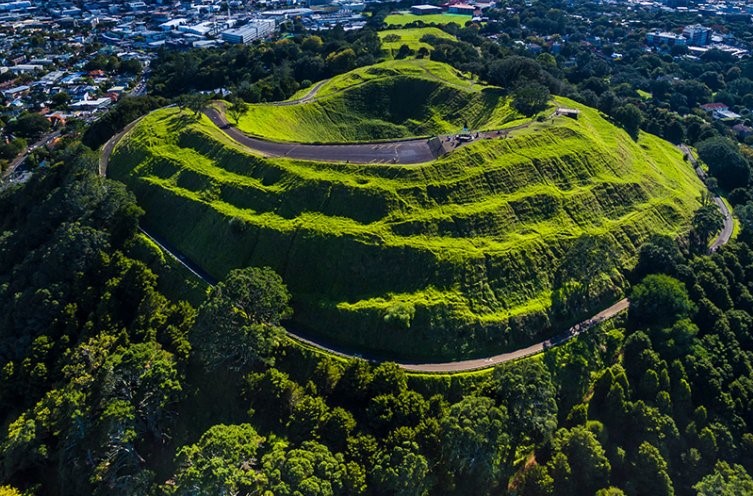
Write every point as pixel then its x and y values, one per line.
pixel 462 249
pixel 411 37
pixel 414 68
pixel 439 19
pixel 394 99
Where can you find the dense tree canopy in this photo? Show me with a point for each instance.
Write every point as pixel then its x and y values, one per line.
pixel 725 162
pixel 531 98
pixel 659 299
pixel 30 126
pixel 707 221
pixel 224 461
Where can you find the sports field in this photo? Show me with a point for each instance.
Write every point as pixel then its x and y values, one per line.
pixel 406 18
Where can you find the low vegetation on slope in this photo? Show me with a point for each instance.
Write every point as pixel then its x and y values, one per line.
pixel 394 99
pixel 459 257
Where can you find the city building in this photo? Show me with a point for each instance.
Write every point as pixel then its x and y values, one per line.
pixel 697 35
pixel 173 24
pixel 720 111
pixel 19 68
pixel 206 28
pixel 250 32
pixel 96 104
pixel 425 9
pixel 714 107
pixel 665 38
pixel 461 8
pixel 15 6
pixel 353 6
pixel 16 92
pixel 281 15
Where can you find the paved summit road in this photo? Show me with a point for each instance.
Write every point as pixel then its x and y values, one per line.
pixel 404 151
pixel 440 367
pixel 413 151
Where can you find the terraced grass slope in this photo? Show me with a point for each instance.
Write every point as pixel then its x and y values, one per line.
pixel 450 259
pixel 394 99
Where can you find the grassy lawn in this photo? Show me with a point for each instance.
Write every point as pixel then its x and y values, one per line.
pixel 405 18
pixel 393 39
pixel 449 259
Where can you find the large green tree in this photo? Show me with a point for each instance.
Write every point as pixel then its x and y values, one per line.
pixel 237 108
pixel 30 126
pixel 579 464
pixel 531 98
pixel 726 480
pixel 238 326
pixel 659 254
pixel 310 470
pixel 649 475
pixel 629 117
pixel 725 162
pixel 659 300
pixel 223 462
pixel 473 438
pixel 401 471
pixel 527 390
pixel 707 221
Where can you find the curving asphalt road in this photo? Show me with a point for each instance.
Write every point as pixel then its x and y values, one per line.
pixel 482 363
pixel 414 151
pixel 726 233
pixel 406 151
pixel 104 155
pixel 441 367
